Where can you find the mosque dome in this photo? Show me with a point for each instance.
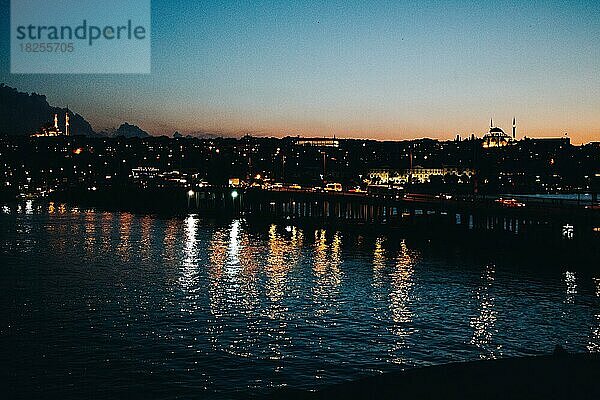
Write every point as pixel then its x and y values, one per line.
pixel 497 130
pixel 496 137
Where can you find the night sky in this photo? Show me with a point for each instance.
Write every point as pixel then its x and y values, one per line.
pixel 378 69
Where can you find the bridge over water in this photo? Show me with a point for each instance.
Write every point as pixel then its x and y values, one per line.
pixel 533 217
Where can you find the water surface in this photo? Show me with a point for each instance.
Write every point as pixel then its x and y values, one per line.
pixel 104 303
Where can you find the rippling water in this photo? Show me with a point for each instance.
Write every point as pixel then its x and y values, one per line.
pixel 99 303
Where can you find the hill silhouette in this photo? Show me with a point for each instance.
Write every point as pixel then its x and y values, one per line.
pixel 24 114
pixel 129 131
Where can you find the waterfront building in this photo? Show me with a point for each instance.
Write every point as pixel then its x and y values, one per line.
pixel 317 142
pixel 417 174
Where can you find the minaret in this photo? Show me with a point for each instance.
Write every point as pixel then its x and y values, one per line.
pixel 514 128
pixel 56 122
pixel 67 123
pixel 491 123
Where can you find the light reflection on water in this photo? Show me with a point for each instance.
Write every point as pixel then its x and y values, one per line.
pixel 124 248
pixel 105 231
pixel 484 323
pixel 594 343
pixel 226 307
pixel 571 284
pixel 327 272
pixel 90 230
pixel 189 269
pixel 401 299
pixel 146 236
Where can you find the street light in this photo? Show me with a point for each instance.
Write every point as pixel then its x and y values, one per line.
pixel 190 195
pixel 234 195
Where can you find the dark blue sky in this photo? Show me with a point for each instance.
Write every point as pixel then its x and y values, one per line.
pixel 382 69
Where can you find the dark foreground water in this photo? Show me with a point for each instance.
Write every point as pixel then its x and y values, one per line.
pixel 98 304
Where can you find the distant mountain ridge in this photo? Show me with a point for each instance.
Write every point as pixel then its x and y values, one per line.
pixel 23 114
pixel 129 131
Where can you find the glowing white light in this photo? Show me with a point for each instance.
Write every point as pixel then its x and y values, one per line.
pixel 571 282
pixel 191 193
pixel 29 207
pixel 567 231
pixel 233 265
pixel 190 253
pixel 234 194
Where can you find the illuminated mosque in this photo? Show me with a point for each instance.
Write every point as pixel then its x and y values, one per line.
pixel 496 137
pixel 49 130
